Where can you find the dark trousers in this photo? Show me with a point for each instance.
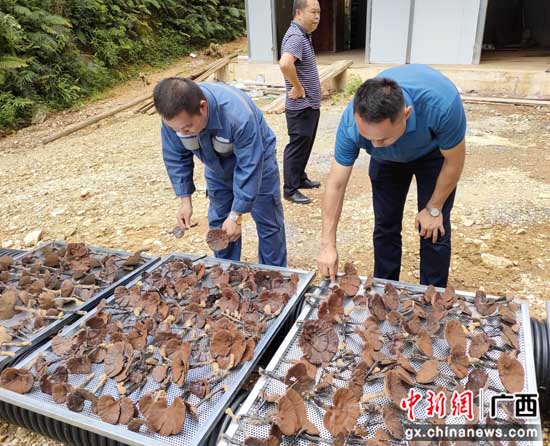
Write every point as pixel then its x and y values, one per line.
pixel 390 185
pixel 302 128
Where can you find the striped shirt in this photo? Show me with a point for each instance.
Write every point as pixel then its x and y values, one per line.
pixel 298 43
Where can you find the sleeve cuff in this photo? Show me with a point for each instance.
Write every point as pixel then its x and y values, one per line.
pixel 184 189
pixel 242 206
pixel 344 162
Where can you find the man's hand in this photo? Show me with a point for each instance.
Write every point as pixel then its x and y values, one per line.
pixel 428 226
pixel 297 92
pixel 327 262
pixel 232 229
pixel 183 216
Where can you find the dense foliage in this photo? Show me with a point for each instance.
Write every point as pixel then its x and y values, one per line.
pixel 54 53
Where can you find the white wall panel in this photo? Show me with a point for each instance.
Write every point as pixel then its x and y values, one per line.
pixel 260 29
pixel 389 30
pixel 444 31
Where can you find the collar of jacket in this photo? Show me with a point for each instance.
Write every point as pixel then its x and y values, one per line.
pixel 214 121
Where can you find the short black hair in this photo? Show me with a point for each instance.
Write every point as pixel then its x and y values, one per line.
pixel 174 95
pixel 299 4
pixel 379 99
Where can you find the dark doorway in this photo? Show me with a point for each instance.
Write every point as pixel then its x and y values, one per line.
pixel 358 24
pixel 330 35
pixel 516 26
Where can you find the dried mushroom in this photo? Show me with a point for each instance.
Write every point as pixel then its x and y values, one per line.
pixel 454 334
pixel 483 305
pixel 17 380
pixel 511 372
pixel 332 309
pixel 319 341
pixel 164 419
pixel 428 372
pixel 344 413
pixel 477 379
pixel 424 343
pixel 481 343
pixel 394 388
pixel 392 421
pixel 291 416
pixel 391 297
pixel 301 376
pixel 349 283
pixel 217 239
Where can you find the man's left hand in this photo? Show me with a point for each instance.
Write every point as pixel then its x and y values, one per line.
pixel 232 229
pixel 428 226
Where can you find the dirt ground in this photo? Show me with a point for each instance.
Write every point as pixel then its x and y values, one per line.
pixel 106 185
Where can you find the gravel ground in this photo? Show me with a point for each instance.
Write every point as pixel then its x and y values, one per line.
pixel 106 185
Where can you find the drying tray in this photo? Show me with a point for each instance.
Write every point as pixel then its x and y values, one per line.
pixel 289 350
pixel 11 252
pixel 41 335
pixel 37 410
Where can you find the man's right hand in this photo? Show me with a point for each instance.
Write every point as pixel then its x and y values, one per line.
pixel 327 262
pixel 183 216
pixel 297 92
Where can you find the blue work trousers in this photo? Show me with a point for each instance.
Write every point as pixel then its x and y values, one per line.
pixel 267 213
pixel 390 185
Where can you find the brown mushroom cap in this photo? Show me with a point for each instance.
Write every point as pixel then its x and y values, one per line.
pixel 424 343
pixel 114 360
pixel 454 334
pixel 17 380
pixel 511 372
pixel 332 309
pixel 458 361
pixel 391 297
pixel 180 364
pixel 344 413
pixel 350 282
pixel 8 299
pixel 510 337
pixel 108 409
pixel 217 239
pixel 481 343
pixel 477 379
pixel 412 325
pixel 372 334
pixel 164 419
pixel 392 420
pixel 319 341
pixel 377 307
pixel 428 372
pixel 394 388
pixel 301 376
pixel 291 415
pixel 227 347
pixel 484 306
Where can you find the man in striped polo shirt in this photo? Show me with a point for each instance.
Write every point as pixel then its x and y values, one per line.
pixel 303 99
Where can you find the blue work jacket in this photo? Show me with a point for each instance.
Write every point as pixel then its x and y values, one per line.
pixel 236 146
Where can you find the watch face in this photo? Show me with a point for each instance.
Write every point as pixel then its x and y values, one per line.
pixel 434 212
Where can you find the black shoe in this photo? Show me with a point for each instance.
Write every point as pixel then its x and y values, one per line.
pixel 297 197
pixel 309 184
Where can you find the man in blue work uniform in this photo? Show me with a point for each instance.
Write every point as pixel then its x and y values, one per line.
pixel 222 127
pixel 410 120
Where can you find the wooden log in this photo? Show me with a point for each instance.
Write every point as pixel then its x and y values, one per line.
pixel 495 100
pixel 200 74
pixel 326 75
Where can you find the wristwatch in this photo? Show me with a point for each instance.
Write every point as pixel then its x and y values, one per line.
pixel 236 218
pixel 434 212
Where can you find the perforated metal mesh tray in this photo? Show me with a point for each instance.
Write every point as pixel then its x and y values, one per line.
pixel 51 329
pixel 35 405
pixel 237 432
pixel 11 252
